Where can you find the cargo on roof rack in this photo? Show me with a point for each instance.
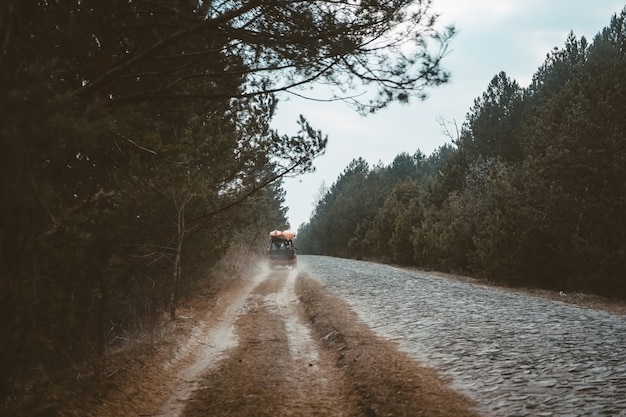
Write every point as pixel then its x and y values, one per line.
pixel 281 251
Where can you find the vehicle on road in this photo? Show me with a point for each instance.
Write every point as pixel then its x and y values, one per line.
pixel 281 251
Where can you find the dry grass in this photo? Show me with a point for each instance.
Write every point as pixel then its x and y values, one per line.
pixel 386 380
pixel 614 306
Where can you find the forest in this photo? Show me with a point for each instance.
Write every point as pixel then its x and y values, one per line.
pixel 530 191
pixel 137 150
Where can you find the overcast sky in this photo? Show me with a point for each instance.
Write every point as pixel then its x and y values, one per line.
pixel 513 36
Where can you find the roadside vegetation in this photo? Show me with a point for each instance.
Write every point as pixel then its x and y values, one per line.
pixel 137 148
pixel 530 192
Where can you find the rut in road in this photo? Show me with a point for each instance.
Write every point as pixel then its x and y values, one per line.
pixel 302 352
pixel 202 349
pixel 277 368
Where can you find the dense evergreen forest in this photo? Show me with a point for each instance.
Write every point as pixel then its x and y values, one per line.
pixel 137 148
pixel 531 190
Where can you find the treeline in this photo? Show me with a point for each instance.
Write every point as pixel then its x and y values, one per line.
pixel 531 192
pixel 136 148
pixel 115 204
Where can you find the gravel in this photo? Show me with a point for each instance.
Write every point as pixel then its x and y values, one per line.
pixel 514 354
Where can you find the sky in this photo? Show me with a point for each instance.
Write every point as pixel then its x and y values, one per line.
pixel 513 36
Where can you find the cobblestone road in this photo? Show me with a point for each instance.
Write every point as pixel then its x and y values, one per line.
pixel 516 355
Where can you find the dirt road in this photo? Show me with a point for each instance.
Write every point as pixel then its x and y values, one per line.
pixel 280 344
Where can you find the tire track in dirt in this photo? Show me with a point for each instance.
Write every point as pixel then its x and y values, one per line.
pixel 284 302
pixel 278 344
pixel 277 369
pixel 303 352
pixel 203 349
pixel 317 387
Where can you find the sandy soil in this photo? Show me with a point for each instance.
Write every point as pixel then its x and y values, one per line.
pixel 278 345
pixel 274 344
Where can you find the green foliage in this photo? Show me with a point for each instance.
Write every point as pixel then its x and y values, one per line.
pixel 344 200
pixel 532 193
pixel 406 196
pixel 493 124
pixel 137 145
pixel 577 166
pixel 368 200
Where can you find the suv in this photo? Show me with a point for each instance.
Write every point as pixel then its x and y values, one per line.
pixel 281 252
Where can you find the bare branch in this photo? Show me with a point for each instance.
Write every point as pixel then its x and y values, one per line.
pixel 94 199
pixel 134 143
pixel 116 71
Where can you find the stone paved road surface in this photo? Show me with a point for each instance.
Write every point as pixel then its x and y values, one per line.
pixel 516 355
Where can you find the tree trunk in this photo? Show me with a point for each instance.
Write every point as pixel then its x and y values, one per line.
pixel 177 261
